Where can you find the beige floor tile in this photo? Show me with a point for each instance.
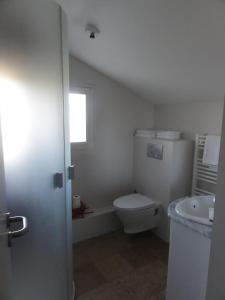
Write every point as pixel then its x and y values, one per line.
pixel 87 277
pixel 113 267
pixel 121 267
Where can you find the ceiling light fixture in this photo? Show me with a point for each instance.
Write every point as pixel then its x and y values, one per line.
pixel 92 29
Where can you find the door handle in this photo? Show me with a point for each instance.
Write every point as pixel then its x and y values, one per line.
pixel 18 232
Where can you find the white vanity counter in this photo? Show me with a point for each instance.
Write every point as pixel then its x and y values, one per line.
pixel 188 257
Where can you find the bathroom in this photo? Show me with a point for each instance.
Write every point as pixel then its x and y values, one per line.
pixel 104 171
pixel 110 261
pixel 112 158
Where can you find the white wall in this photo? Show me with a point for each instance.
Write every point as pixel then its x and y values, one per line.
pixel 104 170
pixel 190 118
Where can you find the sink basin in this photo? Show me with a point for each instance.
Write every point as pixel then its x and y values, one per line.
pixel 196 208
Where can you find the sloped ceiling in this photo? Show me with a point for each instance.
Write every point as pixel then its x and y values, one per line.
pixel 164 50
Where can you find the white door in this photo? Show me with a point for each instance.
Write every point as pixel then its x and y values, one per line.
pixel 216 277
pixel 5 258
pixel 32 108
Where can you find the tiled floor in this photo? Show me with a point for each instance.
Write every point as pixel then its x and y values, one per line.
pixel 121 267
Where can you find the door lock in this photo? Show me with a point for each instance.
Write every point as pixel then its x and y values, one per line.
pixel 58 180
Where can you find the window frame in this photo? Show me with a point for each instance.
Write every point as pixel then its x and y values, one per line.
pixel 88 91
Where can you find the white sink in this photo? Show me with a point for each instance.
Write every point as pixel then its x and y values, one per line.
pixel 196 208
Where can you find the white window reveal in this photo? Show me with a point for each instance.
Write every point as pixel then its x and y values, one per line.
pixel 78 117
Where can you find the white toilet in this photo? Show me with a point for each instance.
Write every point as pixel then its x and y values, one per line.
pixel 137 212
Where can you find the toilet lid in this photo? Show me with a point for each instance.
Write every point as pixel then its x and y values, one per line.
pixel 133 202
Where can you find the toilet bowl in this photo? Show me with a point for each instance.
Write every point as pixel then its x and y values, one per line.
pixel 137 212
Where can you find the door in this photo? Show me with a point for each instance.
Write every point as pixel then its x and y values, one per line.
pixel 216 276
pixel 32 92
pixel 5 258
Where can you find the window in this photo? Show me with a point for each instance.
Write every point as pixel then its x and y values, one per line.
pixel 78 117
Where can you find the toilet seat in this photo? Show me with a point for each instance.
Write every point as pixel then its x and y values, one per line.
pixel 133 202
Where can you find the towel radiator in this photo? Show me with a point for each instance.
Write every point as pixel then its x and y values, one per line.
pixel 204 176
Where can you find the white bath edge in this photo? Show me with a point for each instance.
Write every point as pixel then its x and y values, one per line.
pixel 103 220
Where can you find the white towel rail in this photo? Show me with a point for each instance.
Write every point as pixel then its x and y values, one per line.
pixel 204 176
